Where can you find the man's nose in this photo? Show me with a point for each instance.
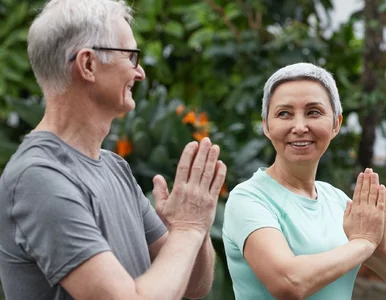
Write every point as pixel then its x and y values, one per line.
pixel 140 73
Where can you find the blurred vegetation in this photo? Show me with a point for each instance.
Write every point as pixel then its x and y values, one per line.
pixel 206 63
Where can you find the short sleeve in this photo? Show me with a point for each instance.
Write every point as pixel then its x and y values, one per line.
pixel 245 212
pixel 153 225
pixel 54 221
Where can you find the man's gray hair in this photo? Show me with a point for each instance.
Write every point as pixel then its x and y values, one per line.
pixel 301 71
pixel 63 28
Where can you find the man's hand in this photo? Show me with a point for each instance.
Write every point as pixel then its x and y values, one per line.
pixel 364 218
pixel 381 249
pixel 193 200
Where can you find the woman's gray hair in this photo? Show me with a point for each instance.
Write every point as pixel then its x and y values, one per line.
pixel 63 28
pixel 300 71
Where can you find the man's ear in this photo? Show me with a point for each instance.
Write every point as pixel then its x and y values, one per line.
pixel 265 128
pixel 337 126
pixel 85 64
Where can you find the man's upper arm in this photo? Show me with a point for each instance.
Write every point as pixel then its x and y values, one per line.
pixel 54 222
pixel 155 247
pixel 153 225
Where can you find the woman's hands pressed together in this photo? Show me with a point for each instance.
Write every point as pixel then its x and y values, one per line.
pixel 364 217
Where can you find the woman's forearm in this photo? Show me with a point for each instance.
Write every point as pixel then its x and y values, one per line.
pixel 310 273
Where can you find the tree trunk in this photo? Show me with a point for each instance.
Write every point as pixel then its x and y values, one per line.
pixel 370 112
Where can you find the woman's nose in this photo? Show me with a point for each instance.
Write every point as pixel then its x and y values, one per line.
pixel 300 125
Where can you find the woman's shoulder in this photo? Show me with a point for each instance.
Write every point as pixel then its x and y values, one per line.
pixel 260 189
pixel 332 193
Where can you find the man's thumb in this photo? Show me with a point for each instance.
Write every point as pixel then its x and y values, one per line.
pixel 160 189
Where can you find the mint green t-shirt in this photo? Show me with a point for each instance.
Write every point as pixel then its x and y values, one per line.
pixel 309 226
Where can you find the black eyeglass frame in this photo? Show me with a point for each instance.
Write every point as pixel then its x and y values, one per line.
pixel 137 51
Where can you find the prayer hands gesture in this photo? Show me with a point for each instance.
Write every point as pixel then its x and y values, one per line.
pixel 364 217
pixel 193 200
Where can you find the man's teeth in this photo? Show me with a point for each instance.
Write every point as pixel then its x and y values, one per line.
pixel 301 143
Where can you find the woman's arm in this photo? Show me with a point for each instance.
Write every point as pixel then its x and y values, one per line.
pixel 287 276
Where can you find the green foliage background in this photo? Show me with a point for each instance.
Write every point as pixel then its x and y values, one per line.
pixel 210 56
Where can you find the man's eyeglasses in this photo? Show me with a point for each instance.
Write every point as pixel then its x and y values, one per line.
pixel 134 53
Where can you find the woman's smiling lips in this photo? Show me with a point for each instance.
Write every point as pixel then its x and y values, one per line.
pixel 301 143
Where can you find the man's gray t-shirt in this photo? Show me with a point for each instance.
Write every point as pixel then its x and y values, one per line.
pixel 59 208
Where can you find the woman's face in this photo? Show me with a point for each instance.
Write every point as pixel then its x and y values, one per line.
pixel 301 121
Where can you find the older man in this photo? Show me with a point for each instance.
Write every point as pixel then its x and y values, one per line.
pixel 74 222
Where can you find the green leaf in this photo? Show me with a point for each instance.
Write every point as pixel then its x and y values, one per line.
pixel 30 112
pixel 142 144
pixel 15 15
pixel 7 148
pixel 15 37
pixel 159 156
pixel 153 53
pixel 174 29
pixel 143 25
pixel 10 74
pixel 138 125
pixel 201 37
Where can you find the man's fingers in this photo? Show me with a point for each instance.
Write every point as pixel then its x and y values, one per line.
pixel 185 163
pixel 199 163
pixel 218 181
pixel 210 168
pixel 381 197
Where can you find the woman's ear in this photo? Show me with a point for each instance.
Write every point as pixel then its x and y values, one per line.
pixel 265 128
pixel 337 126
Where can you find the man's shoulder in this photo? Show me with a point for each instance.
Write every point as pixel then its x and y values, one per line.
pixel 110 156
pixel 35 153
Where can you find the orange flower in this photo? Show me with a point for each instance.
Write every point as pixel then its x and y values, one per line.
pixel 189 118
pixel 203 119
pixel 199 135
pixel 121 116
pixel 180 109
pixel 124 147
pixel 224 190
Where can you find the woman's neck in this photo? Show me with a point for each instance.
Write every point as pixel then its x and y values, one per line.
pixel 299 179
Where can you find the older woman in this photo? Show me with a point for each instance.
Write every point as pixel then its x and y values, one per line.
pixel 286 235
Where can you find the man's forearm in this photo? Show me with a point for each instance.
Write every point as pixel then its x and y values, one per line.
pixel 168 277
pixel 377 263
pixel 201 279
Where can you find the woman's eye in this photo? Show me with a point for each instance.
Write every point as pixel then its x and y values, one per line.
pixel 283 114
pixel 314 113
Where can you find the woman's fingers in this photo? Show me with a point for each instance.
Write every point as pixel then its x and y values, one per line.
pixel 364 194
pixel 357 190
pixel 374 186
